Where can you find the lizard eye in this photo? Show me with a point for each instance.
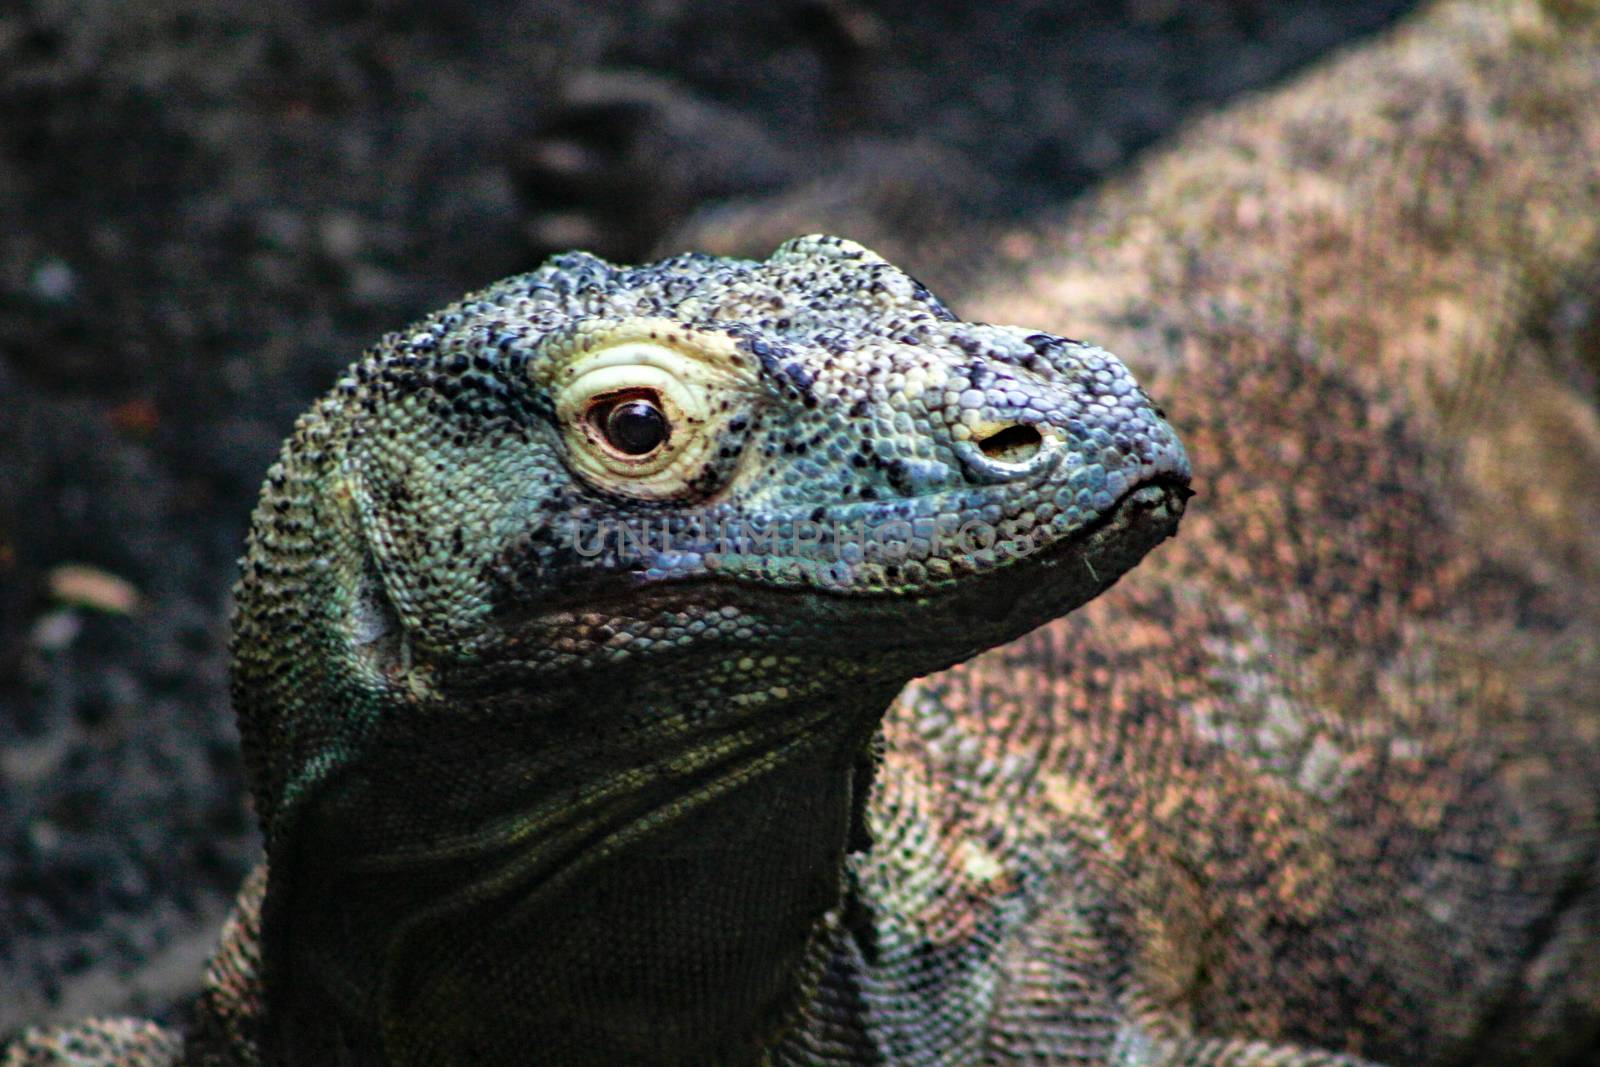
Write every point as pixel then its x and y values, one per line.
pixel 649 420
pixel 633 425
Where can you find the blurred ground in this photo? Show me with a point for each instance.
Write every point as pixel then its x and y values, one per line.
pixel 206 210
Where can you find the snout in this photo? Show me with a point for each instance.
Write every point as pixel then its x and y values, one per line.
pixel 1076 417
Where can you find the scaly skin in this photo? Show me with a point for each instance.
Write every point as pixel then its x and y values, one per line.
pixel 674 733
pixel 1318 775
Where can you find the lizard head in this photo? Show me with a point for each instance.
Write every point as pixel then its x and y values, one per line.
pixel 595 468
pixel 574 557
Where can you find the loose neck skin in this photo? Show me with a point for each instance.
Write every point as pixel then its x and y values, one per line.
pixel 653 896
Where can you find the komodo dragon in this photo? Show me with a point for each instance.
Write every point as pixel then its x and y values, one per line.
pixel 1320 775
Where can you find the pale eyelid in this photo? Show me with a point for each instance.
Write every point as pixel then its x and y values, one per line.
pixel 692 394
pixel 690 398
pixel 709 356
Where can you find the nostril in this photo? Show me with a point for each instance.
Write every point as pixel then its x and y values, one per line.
pixel 1016 443
pixel 1005 451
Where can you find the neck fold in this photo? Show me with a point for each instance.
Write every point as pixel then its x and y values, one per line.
pixel 652 899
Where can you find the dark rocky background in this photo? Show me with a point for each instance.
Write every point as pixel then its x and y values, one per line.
pixel 207 209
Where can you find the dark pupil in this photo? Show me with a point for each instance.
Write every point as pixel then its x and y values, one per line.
pixel 636 427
